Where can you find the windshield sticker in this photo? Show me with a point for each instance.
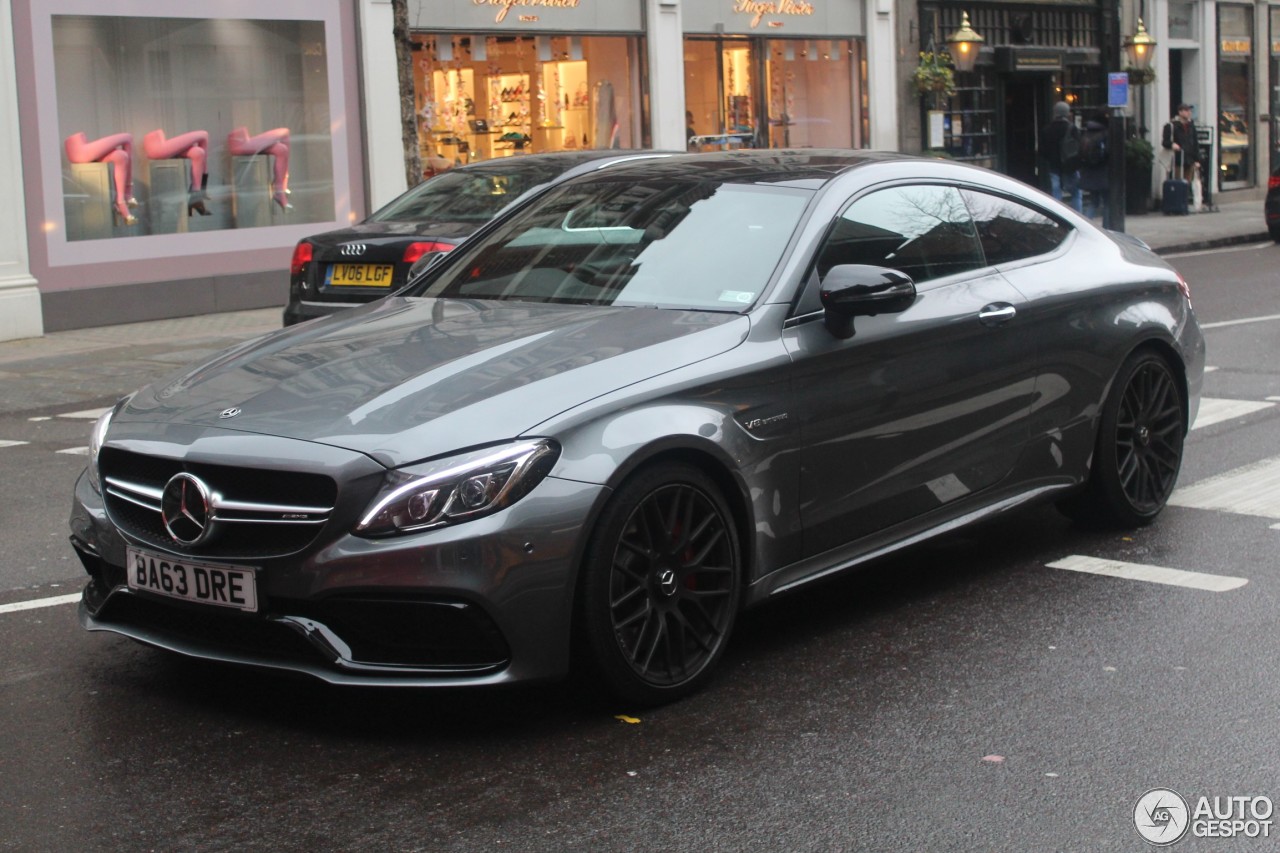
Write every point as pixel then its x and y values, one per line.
pixel 744 297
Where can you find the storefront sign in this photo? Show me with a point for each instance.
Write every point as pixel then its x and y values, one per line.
pixel 1028 59
pixel 758 9
pixel 777 18
pixel 532 16
pixel 1237 46
pixel 505 6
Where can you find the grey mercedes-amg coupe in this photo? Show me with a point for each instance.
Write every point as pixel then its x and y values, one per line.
pixel 619 414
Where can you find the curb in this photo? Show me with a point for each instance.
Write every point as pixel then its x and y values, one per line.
pixel 1213 243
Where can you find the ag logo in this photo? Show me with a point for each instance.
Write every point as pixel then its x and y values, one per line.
pixel 1161 817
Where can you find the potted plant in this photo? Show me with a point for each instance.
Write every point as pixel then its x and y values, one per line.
pixel 1138 157
pixel 1140 76
pixel 935 75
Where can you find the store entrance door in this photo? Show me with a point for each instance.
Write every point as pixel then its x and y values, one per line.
pixel 1025 107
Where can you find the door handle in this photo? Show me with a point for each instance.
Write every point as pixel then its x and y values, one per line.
pixel 997 313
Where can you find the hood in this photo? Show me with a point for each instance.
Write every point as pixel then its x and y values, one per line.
pixel 405 379
pixel 454 232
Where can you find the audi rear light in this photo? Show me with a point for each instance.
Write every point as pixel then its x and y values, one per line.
pixel 1273 182
pixel 416 250
pixel 302 254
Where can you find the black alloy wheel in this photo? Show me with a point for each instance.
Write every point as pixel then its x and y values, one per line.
pixel 662 584
pixel 1139 450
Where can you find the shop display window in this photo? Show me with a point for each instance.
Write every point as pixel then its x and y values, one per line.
pixel 481 97
pixel 775 93
pixel 176 125
pixel 1235 96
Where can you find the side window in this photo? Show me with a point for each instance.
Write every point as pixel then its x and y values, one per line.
pixel 924 231
pixel 1011 231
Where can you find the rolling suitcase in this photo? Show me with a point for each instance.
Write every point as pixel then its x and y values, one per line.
pixel 1176 193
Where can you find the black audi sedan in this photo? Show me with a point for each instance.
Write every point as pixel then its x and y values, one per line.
pixel 1271 206
pixel 654 395
pixel 351 266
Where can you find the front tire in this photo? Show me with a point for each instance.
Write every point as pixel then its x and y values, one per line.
pixel 1139 446
pixel 661 585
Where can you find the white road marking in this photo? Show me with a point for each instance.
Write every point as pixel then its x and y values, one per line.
pixel 37 603
pixel 1153 574
pixel 87 414
pixel 1214 410
pixel 4 442
pixel 44 418
pixel 1266 318
pixel 1251 490
pixel 75 451
pixel 1274 399
pixel 1209 369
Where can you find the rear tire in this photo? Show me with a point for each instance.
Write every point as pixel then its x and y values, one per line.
pixel 1139 447
pixel 661 585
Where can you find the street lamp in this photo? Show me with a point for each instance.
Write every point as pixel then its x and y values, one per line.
pixel 1139 47
pixel 963 45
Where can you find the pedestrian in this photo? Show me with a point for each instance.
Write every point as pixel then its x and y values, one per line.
pixel 1060 151
pixel 1093 168
pixel 1179 136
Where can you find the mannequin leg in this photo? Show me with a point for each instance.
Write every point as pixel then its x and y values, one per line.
pixel 119 161
pixel 193 145
pixel 116 149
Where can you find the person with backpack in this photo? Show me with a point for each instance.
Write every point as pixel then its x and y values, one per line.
pixel 1060 152
pixel 1093 168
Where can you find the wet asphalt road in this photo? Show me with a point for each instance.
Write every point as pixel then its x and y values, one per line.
pixel 963 696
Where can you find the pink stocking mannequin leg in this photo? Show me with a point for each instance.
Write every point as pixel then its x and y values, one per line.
pixel 117 150
pixel 195 147
pixel 274 142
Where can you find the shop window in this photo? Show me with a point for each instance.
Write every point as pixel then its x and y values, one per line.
pixel 481 97
pixel 1235 115
pixel 172 125
pixel 810 86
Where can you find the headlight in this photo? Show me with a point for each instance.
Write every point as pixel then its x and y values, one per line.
pixel 96 438
pixel 457 488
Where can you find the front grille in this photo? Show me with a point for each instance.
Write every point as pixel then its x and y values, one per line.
pixel 256 514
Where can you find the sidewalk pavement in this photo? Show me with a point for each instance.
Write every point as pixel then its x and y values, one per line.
pixel 82 364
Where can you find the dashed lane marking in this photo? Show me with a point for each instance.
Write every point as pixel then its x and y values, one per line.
pixel 4 442
pixel 1214 410
pixel 37 603
pixel 1266 318
pixel 48 418
pixel 75 451
pixel 1152 574
pixel 1250 490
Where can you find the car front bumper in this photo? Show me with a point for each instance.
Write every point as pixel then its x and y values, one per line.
pixel 485 602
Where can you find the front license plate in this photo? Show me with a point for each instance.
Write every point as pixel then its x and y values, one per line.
pixel 207 583
pixel 360 275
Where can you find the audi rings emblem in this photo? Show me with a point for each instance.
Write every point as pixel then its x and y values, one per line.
pixel 229 413
pixel 352 250
pixel 186 507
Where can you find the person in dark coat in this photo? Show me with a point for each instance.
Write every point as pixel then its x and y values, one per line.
pixel 1093 168
pixel 1063 177
pixel 1179 136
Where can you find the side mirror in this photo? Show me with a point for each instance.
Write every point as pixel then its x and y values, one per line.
pixel 859 290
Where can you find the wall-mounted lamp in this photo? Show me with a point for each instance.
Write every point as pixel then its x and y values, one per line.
pixel 964 44
pixel 1139 47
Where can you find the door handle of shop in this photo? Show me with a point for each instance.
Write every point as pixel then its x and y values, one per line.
pixel 997 313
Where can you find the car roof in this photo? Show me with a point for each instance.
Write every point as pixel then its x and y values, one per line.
pixel 564 160
pixel 809 166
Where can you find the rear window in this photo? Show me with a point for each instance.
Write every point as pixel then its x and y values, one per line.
pixel 464 195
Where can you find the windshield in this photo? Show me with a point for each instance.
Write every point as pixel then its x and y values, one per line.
pixel 672 243
pixel 465 195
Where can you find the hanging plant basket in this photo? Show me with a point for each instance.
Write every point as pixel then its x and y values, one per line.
pixel 1141 76
pixel 935 75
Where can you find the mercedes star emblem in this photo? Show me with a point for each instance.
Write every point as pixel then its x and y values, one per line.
pixel 186 507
